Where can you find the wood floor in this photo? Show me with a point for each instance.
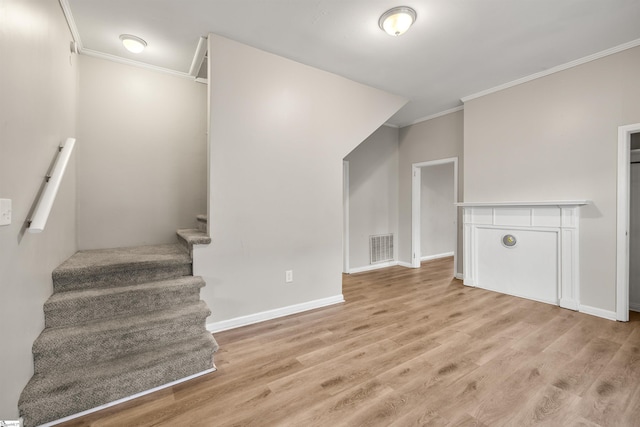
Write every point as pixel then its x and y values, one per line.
pixel 410 347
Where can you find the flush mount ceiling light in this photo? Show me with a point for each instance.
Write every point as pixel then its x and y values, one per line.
pixel 132 43
pixel 397 21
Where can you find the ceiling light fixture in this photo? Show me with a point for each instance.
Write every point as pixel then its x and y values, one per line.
pixel 397 21
pixel 132 43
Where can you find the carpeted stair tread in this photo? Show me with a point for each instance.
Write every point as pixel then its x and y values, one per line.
pixel 192 236
pixel 116 337
pixel 51 396
pixel 121 266
pixel 73 307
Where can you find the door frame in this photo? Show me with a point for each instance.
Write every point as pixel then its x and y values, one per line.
pixel 416 208
pixel 622 226
pixel 345 216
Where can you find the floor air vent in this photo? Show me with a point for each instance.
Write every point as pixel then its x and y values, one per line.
pixel 381 248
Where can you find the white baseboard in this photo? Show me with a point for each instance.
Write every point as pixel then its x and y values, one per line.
pixel 436 256
pixel 405 264
pixel 606 314
pixel 634 306
pixel 373 267
pixel 126 399
pixel 459 276
pixel 569 304
pixel 250 319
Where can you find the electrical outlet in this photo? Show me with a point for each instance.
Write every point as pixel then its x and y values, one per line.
pixel 5 211
pixel 288 276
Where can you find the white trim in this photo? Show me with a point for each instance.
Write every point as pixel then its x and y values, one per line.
pixel 250 319
pixel 634 307
pixel 66 10
pixel 598 312
pixel 345 216
pixel 559 203
pixel 391 125
pixel 198 57
pixel 436 256
pixel 556 69
pixel 435 116
pixel 566 228
pixel 401 264
pixel 416 190
pixel 622 227
pixel 126 61
pixel 126 399
pixel 372 267
pixel 416 183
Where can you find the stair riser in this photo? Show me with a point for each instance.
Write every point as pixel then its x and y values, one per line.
pixel 85 350
pixel 62 283
pixel 185 245
pixel 108 306
pixel 70 399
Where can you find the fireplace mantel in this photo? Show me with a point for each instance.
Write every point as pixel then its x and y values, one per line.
pixel 559 203
pixel 524 248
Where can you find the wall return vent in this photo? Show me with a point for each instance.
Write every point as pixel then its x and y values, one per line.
pixel 381 248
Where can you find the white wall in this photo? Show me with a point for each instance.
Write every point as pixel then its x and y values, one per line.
pixel 142 157
pixel 434 139
pixel 373 192
pixel 438 212
pixel 556 138
pixel 279 132
pixel 38 79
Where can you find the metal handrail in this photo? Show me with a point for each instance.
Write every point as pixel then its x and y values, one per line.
pixel 43 208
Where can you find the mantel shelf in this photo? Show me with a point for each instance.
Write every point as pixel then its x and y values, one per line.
pixel 538 203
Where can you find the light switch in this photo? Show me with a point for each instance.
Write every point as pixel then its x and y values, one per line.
pixel 5 211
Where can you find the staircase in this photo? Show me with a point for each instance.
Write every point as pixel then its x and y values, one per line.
pixel 119 322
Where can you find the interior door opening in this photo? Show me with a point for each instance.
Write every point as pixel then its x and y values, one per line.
pixel 634 223
pixel 623 238
pixel 434 230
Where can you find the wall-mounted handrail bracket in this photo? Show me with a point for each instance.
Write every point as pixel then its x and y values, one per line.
pixel 36 223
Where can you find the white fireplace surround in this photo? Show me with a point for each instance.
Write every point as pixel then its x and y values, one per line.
pixel 543 262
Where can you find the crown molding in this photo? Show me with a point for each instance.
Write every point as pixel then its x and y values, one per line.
pixel 435 116
pixel 126 61
pixel 66 10
pixel 198 57
pixel 556 69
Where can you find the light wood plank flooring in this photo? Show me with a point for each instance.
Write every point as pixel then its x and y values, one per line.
pixel 410 348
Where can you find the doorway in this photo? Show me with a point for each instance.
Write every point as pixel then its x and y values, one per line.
pixel 634 223
pixel 624 230
pixel 434 219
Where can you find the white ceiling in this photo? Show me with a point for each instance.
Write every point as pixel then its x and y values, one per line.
pixel 456 47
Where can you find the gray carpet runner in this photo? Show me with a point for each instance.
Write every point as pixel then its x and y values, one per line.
pixel 120 322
